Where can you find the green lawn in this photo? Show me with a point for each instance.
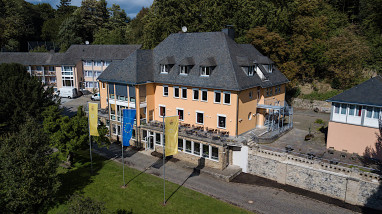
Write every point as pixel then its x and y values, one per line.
pixel 144 193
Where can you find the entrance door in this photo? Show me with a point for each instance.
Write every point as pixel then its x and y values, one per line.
pixel 150 141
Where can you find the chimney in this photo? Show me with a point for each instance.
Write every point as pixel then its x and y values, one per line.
pixel 230 31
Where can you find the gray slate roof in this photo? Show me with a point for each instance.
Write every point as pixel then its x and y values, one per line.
pixel 206 49
pixel 135 69
pixel 30 58
pixel 366 93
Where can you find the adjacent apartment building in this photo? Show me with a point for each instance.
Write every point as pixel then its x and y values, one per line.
pixel 77 68
pixel 353 125
pixel 219 89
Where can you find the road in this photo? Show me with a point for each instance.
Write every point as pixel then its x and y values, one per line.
pixel 253 197
pixel 70 106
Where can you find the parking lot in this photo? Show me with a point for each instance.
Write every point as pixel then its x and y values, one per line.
pixel 70 106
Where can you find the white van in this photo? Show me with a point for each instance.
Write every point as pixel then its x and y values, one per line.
pixel 68 92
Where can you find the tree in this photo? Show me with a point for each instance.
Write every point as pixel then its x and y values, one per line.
pixel 93 15
pixel 28 177
pixel 22 95
pixel 70 134
pixel 70 32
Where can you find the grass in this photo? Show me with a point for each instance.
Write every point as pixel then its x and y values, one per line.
pixel 144 193
pixel 320 96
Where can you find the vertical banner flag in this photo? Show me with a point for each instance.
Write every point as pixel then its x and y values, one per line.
pixel 171 135
pixel 93 119
pixel 128 123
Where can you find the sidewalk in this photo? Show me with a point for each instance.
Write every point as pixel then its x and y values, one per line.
pixel 256 198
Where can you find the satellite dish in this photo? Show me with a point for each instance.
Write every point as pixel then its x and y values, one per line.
pixel 87 42
pixel 184 29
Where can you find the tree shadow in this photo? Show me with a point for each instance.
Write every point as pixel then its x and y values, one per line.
pixel 195 172
pixel 373 156
pixel 74 180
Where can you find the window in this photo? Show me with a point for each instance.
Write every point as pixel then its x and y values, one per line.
pixel 165 90
pixel 268 68
pixel 67 68
pixel 97 73
pixel 250 94
pixel 184 70
pixel 227 98
pixel 351 110
pixel 215 153
pixel 164 69
pixel 184 93
pixel 277 89
pixel 88 73
pixel 114 128
pixel 195 94
pixel 205 71
pixel 188 146
pixel 369 112
pixel 248 70
pixel 267 92
pixel 52 68
pixel 180 113
pixel 336 108
pixel 38 68
pixel 180 144
pixel 270 91
pixel 196 148
pixel 221 121
pixel 67 81
pixel 119 129
pixel 206 151
pixel 176 91
pixel 204 95
pixel 144 132
pixel 97 63
pixel 106 63
pixel 343 108
pixel 217 97
pixel 376 113
pixel 199 117
pixel 162 111
pixel 103 85
pixel 157 138
pixel 87 63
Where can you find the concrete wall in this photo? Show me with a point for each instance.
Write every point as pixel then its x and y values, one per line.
pixel 348 184
pixel 311 105
pixel 352 138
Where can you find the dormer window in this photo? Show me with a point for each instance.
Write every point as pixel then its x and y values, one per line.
pixel 268 68
pixel 164 69
pixel 205 71
pixel 249 70
pixel 184 70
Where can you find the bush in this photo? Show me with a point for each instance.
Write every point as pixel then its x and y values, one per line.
pixel 79 204
pixel 319 121
pixel 321 96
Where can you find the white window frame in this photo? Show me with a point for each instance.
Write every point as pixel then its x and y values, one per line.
pixel 176 87
pixel 181 109
pixel 103 85
pixel 201 97
pixel 219 92
pixel 183 70
pixel 87 72
pixel 185 98
pixel 164 69
pixel 221 115
pixel 106 63
pixel 98 63
pixel 87 63
pixel 204 69
pixel 196 117
pixel 193 92
pixel 160 105
pixel 224 94
pixel 165 86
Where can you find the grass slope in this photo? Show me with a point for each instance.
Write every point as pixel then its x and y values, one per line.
pixel 144 193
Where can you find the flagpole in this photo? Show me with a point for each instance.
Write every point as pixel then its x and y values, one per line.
pixel 164 157
pixel 90 141
pixel 123 162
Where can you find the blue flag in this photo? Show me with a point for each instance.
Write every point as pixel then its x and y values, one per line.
pixel 128 124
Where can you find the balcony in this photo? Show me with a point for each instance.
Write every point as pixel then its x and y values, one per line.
pixel 37 73
pixel 50 73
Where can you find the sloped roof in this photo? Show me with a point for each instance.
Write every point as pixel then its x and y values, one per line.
pixel 366 93
pixel 30 58
pixel 136 68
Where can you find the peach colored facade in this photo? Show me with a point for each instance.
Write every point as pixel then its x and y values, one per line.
pixel 190 107
pixel 352 138
pixel 93 78
pixel 77 76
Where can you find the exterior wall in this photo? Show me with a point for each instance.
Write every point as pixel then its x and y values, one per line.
pixel 150 99
pixel 78 75
pixel 92 68
pixel 103 95
pixel 59 77
pixel 247 110
pixel 352 138
pixel 209 108
pixel 348 184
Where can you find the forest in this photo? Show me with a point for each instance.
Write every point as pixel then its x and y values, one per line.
pixel 338 42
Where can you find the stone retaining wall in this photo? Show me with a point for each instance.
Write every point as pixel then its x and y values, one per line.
pixel 322 106
pixel 348 184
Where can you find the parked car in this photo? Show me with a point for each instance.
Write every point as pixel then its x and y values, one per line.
pixel 68 92
pixel 95 97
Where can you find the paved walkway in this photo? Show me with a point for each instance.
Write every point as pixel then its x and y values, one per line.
pixel 250 196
